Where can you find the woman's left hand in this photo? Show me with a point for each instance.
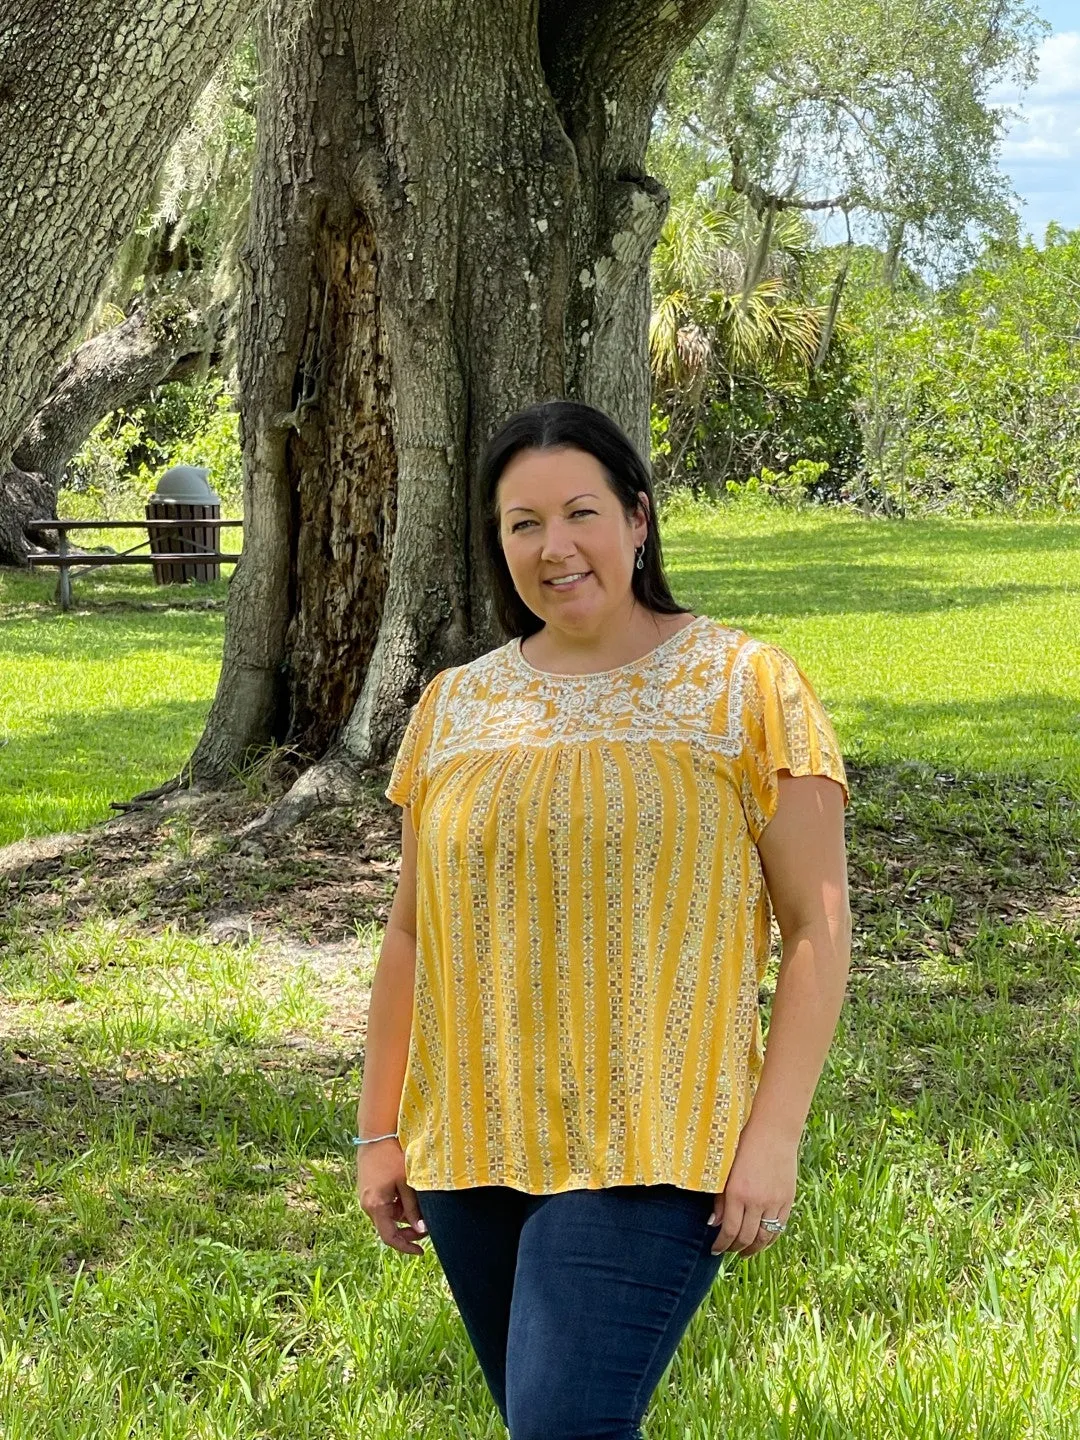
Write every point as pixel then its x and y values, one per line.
pixel 760 1185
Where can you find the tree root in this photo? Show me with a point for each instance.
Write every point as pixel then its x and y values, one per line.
pixel 333 780
pixel 146 798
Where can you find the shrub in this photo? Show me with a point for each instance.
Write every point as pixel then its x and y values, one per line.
pixel 183 423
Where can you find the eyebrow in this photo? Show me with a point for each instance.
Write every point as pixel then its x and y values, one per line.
pixel 585 493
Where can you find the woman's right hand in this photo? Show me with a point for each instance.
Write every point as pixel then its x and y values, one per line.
pixel 387 1198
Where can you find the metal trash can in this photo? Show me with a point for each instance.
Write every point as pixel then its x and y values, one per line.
pixel 183 493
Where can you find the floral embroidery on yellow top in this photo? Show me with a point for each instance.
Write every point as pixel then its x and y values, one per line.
pixel 592 920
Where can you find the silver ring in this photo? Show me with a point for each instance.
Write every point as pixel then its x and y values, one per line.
pixel 774 1227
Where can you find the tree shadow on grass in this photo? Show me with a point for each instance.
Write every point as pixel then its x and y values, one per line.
pixel 846 570
pixel 199 1146
pixel 1003 733
pixel 184 1090
pixel 813 588
pixel 107 731
pixel 59 770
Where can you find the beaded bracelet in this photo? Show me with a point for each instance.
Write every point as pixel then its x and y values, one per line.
pixel 390 1135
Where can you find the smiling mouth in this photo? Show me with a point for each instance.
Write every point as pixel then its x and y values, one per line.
pixel 582 575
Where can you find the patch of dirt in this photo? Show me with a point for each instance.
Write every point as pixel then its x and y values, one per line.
pixel 934 855
pixel 184 864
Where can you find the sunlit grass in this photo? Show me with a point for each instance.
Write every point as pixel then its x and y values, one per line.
pixel 102 702
pixel 955 642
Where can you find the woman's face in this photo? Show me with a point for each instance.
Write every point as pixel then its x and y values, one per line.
pixel 558 516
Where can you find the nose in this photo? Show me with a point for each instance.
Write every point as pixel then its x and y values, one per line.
pixel 556 548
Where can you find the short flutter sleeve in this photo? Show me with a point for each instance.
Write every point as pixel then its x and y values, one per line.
pixel 409 774
pixel 785 727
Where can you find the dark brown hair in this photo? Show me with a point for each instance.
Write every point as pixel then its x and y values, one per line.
pixel 567 424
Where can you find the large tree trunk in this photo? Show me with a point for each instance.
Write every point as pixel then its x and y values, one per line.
pixel 450 220
pixel 90 102
pixel 23 497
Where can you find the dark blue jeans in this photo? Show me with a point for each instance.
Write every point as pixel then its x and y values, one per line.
pixel 574 1303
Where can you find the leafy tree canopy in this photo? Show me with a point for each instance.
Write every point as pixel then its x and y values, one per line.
pixel 879 109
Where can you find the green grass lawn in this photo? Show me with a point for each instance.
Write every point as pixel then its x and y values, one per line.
pixel 957 642
pixel 105 701
pixel 181 1254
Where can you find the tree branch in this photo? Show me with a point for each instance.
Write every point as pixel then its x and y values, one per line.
pixel 763 201
pixel 112 369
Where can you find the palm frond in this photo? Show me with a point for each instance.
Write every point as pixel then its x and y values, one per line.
pixel 707 314
pixel 663 336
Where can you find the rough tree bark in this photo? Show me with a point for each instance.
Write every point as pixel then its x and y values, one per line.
pixel 450 219
pixel 24 496
pixel 88 110
pixel 154 344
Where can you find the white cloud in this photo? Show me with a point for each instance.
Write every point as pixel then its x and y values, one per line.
pixel 1041 150
pixel 1037 148
pixel 1059 66
pixel 1057 72
pixel 1045 132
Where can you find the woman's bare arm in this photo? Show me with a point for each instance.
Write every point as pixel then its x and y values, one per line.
pixel 803 857
pixel 389 1021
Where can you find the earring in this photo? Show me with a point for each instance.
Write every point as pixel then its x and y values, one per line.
pixel 641 558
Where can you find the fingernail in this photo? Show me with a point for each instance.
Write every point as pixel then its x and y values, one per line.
pixel 421 1227
pixel 712 1219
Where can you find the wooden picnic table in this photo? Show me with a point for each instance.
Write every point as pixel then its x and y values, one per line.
pixel 66 559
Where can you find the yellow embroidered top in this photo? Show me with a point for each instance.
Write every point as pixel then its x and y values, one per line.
pixel 592 921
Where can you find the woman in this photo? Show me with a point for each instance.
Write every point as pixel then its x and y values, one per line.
pixel 596 820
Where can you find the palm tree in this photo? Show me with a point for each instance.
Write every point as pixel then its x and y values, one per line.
pixel 727 310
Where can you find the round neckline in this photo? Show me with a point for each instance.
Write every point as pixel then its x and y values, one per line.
pixel 515 650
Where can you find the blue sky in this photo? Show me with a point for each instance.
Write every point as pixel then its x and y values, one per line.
pixel 1041 154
